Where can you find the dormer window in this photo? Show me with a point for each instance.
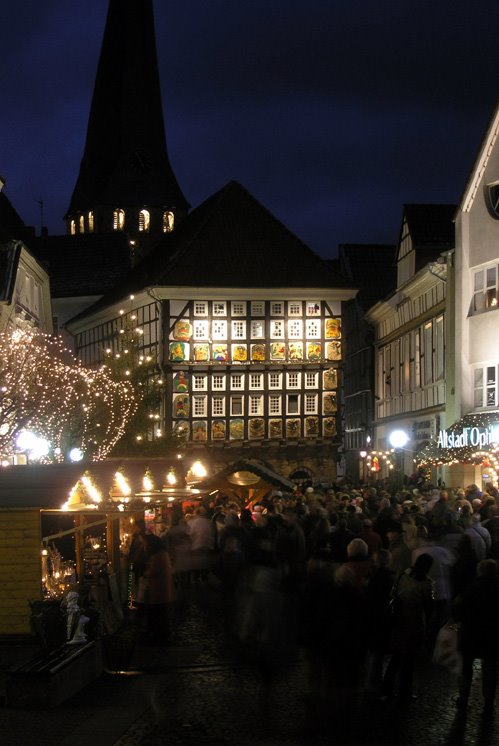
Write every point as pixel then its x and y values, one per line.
pixel 118 220
pixel 144 221
pixel 91 221
pixel 485 289
pixel 168 221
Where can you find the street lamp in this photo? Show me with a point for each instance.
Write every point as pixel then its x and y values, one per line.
pixel 398 439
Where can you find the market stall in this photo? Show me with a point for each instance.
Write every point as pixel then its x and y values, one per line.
pixel 68 528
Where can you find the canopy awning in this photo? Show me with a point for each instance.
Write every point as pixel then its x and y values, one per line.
pixel 471 439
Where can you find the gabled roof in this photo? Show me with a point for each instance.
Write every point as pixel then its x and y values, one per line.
pixel 11 224
pixel 484 152
pixel 126 160
pixel 9 261
pixel 228 477
pixel 230 240
pixel 431 226
pixel 371 268
pixel 432 230
pixel 84 264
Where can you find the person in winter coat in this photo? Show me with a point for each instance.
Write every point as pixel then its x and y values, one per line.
pixel 159 589
pixel 478 614
pixel 413 596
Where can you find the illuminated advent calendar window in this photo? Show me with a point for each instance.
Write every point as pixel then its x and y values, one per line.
pixel 238 308
pixel 219 308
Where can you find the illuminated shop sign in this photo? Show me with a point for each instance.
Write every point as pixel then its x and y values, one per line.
pixel 476 437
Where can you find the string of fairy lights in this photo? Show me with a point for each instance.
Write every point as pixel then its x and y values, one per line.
pixel 433 455
pixel 44 388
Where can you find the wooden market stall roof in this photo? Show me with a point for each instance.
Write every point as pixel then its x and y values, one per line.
pixel 48 485
pixel 246 479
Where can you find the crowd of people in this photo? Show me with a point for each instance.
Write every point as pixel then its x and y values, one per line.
pixel 361 578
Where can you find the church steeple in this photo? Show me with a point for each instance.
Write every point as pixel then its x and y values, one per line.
pixel 126 181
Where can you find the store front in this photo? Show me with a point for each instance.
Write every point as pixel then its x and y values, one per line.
pixel 465 453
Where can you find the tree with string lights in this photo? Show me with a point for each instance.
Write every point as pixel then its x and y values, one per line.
pixel 46 390
pixel 128 360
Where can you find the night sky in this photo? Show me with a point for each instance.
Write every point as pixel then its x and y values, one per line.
pixel 333 113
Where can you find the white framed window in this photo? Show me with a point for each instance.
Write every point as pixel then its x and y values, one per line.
pixel 310 403
pixel 486 386
pixel 257 329
pixel 294 308
pixel 218 406
pixel 237 405
pixel 439 349
pixel 255 404
pixel 219 308
pixel 313 308
pixel 275 405
pixel 293 404
pixel 312 379
pixel 277 329
pixel 237 381
pixel 415 360
pixel 313 328
pixel 277 308
pixel 118 220
pixel 200 308
pixel 275 380
pixel 238 330
pixel 256 380
pixel 258 308
pixel 218 382
pixel 295 328
pixel 485 289
pixel 144 221
pixel 168 221
pixel 428 352
pixel 199 382
pixel 218 329
pixel 293 379
pixel 199 406
pixel 200 329
pixel 238 308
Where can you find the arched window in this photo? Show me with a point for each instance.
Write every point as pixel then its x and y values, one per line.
pixel 91 221
pixel 144 221
pixel 82 224
pixel 72 227
pixel 118 220
pixel 168 221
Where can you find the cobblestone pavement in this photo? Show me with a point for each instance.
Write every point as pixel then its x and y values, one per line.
pixel 200 692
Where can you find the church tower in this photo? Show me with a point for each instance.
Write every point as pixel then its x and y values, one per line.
pixel 126 182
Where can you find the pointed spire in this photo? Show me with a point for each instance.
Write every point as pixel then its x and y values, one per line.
pixel 125 166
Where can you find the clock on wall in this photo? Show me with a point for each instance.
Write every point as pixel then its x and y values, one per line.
pixel 140 161
pixel 493 198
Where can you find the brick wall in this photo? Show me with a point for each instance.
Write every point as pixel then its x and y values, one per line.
pixel 20 568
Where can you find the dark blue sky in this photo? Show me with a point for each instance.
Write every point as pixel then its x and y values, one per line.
pixel 333 113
